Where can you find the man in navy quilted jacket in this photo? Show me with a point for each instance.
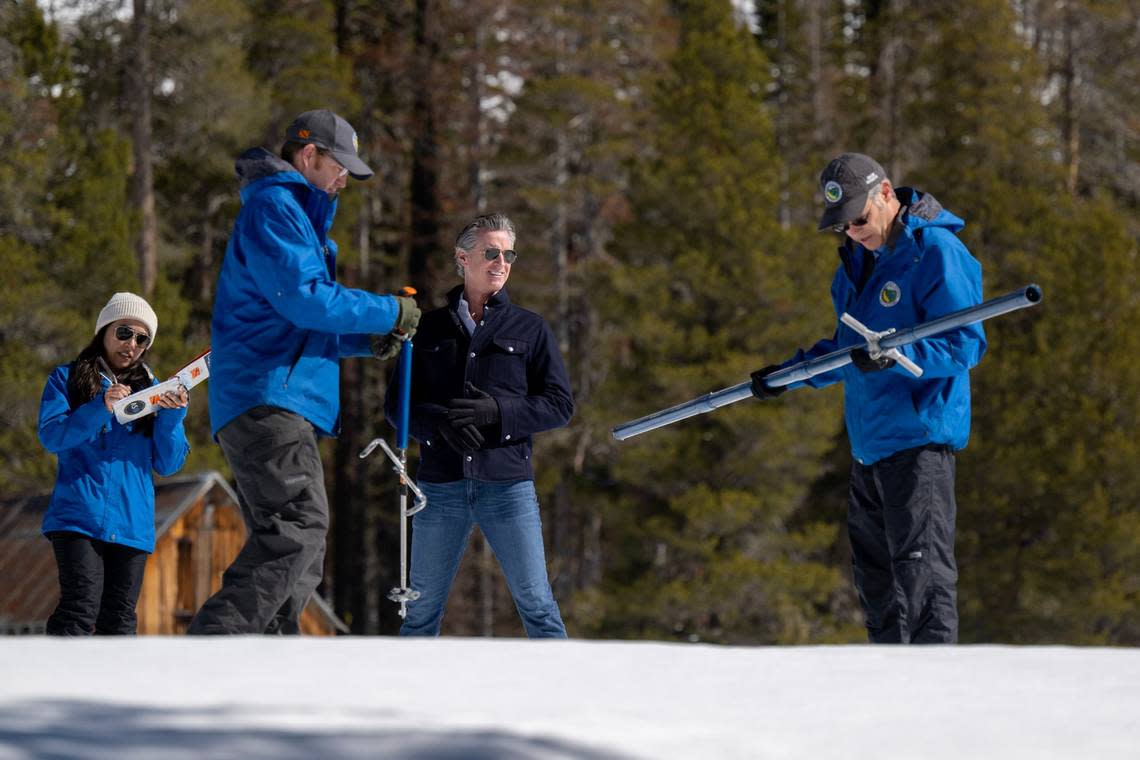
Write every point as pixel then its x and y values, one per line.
pixel 901 263
pixel 486 376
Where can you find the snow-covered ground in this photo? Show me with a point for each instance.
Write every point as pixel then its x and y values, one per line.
pixel 480 699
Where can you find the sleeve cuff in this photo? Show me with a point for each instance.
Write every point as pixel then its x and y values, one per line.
pixel 508 418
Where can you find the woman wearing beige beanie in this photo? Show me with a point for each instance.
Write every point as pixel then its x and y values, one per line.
pixel 101 516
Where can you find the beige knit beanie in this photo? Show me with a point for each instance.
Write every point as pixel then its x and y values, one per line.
pixel 128 306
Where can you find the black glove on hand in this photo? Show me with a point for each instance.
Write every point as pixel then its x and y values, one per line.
pixel 463 439
pixel 409 318
pixel 386 346
pixel 479 411
pixel 762 390
pixel 861 359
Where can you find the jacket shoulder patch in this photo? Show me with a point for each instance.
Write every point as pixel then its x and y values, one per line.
pixel 890 294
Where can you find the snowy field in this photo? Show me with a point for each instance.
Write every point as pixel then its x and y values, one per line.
pixel 480 699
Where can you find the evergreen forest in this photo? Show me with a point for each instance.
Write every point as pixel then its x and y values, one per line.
pixel 660 159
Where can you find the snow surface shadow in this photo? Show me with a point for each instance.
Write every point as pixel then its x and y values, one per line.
pixel 81 730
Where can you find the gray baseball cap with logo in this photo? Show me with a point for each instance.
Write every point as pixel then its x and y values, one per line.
pixel 328 131
pixel 846 183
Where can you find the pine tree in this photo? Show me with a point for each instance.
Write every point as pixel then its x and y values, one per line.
pixel 67 248
pixel 706 287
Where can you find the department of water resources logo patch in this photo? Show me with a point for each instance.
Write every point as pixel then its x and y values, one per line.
pixel 833 192
pixel 889 295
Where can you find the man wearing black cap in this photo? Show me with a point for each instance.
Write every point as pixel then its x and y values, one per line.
pixel 281 323
pixel 901 264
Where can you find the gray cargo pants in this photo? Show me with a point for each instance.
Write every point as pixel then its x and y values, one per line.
pixel 280 483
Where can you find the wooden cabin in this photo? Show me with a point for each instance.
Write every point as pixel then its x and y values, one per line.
pixel 198 532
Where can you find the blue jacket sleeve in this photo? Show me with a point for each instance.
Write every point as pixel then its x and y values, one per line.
pixel 355 345
pixel 60 428
pixel 169 446
pixel 548 403
pixel 285 258
pixel 824 346
pixel 950 280
pixel 821 348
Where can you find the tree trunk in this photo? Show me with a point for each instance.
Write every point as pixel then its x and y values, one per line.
pixel 349 577
pixel 478 150
pixel 887 74
pixel 426 205
pixel 142 187
pixel 1070 128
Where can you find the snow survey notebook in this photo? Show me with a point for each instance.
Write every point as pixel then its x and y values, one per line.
pixel 143 402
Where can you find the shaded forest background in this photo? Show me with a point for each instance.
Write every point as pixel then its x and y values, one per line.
pixel 660 160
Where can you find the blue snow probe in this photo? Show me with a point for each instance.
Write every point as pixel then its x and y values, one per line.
pixel 402 593
pixel 405 402
pixel 878 344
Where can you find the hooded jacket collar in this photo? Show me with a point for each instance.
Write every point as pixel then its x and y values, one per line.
pixel 258 169
pixel 919 210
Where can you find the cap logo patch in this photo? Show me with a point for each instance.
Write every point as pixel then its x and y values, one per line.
pixel 304 134
pixel 871 177
pixel 890 294
pixel 355 143
pixel 833 191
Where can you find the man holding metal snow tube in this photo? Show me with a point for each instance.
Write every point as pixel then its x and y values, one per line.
pixel 901 264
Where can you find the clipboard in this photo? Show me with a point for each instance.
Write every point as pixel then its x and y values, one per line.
pixel 144 402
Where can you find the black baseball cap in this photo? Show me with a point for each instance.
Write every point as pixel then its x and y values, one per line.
pixel 846 183
pixel 326 130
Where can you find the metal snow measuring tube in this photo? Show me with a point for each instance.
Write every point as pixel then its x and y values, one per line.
pixel 878 344
pixel 402 593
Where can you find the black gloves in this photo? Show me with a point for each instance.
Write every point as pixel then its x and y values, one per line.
pixel 464 440
pixel 861 359
pixel 387 346
pixel 464 418
pixel 479 411
pixel 762 390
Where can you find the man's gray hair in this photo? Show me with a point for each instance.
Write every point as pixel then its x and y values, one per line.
pixel 465 241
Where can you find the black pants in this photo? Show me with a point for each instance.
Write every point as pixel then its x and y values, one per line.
pixel 900 517
pixel 280 484
pixel 99 585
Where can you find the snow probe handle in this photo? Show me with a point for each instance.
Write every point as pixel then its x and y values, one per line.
pixel 873 349
pixel 405 399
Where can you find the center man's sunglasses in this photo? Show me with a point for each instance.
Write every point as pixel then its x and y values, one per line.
pixel 509 256
pixel 124 333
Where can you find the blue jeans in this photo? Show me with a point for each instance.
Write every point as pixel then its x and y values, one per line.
pixel 507 513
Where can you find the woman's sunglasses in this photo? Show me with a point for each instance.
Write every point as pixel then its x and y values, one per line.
pixel 124 333
pixel 509 256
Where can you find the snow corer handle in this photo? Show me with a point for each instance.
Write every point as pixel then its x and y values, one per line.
pixel 877 344
pixel 403 593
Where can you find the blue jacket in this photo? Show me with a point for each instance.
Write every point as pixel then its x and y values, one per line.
pixel 104 487
pixel 514 357
pixel 281 322
pixel 925 272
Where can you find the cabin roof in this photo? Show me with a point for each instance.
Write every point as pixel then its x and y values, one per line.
pixel 30 590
